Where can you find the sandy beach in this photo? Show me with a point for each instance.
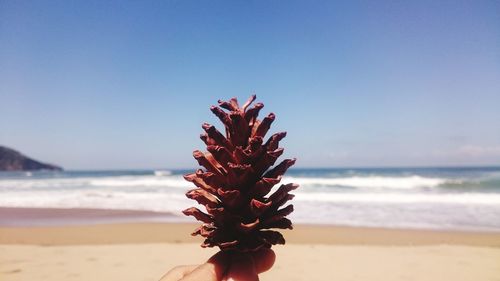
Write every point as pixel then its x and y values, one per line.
pixel 144 251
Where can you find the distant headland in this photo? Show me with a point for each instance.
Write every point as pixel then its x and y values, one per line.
pixel 12 160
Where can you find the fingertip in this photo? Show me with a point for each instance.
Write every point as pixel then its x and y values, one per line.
pixel 221 262
pixel 263 259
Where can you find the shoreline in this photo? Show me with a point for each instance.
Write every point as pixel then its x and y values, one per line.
pixel 44 226
pixel 145 251
pixel 34 217
pixel 45 217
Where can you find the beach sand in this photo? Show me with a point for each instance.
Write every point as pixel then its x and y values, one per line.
pixel 145 251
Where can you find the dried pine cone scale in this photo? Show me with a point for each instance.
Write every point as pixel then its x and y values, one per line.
pixel 234 187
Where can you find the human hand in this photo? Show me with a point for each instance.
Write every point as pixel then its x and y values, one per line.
pixel 225 266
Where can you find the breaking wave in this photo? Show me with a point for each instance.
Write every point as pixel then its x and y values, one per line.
pixel 454 199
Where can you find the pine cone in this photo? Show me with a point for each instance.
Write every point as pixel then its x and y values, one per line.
pixel 237 179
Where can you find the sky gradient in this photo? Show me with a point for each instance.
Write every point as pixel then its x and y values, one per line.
pixel 127 84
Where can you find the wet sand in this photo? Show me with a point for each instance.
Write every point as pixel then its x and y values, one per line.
pixel 144 251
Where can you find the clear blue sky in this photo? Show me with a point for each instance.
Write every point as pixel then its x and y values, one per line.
pixel 126 84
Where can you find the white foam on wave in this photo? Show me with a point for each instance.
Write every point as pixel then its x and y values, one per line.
pixel 177 181
pixel 409 182
pixel 402 198
pixel 161 173
pixel 163 181
pixel 404 201
pixel 89 182
pixel 175 201
pixel 163 202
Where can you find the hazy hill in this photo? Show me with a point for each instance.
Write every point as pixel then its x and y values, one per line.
pixel 12 160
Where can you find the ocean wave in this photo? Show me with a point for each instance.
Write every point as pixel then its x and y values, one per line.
pixel 174 201
pixel 151 181
pixel 164 202
pixel 372 182
pixel 405 198
pixel 175 181
pixel 162 173
pixel 470 199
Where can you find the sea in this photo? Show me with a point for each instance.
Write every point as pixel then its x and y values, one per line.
pixel 409 198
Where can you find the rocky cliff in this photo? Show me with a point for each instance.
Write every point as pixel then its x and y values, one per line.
pixel 12 160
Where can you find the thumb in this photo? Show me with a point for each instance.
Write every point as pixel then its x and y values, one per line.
pixel 242 268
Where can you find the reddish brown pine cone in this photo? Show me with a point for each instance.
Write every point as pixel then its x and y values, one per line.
pixel 236 181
